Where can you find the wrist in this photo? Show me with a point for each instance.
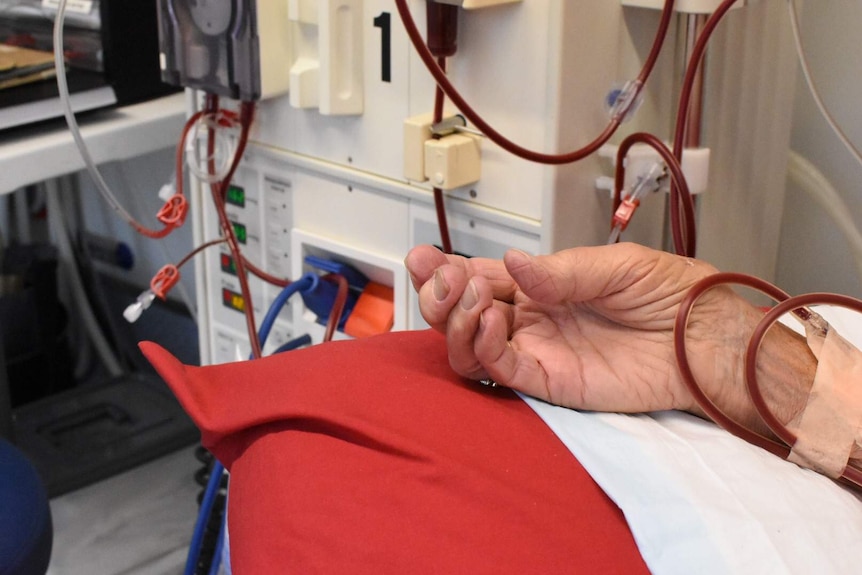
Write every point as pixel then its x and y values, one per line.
pixel 719 331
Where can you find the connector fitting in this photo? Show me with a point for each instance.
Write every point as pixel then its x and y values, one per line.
pixel 134 310
pixel 448 126
pixel 369 308
pixel 622 102
pixel 649 181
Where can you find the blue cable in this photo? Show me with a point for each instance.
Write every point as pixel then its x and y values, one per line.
pixel 307 282
pixel 203 517
pixel 293 344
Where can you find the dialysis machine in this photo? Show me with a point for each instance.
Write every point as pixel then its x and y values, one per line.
pixel 341 164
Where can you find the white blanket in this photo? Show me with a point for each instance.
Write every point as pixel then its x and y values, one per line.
pixel 699 500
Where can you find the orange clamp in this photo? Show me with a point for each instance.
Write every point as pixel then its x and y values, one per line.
pixel 173 213
pixel 164 280
pixel 624 213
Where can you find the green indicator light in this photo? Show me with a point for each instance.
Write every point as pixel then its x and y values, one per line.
pixel 240 231
pixel 236 196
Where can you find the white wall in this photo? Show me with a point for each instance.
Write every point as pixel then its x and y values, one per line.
pixel 814 256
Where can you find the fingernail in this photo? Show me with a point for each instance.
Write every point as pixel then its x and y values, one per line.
pixel 518 255
pixel 439 286
pixel 470 297
pixel 413 279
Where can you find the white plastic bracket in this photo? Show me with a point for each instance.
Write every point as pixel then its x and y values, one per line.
pixel 684 6
pixel 695 166
pixel 417 131
pixel 474 4
pixel 453 161
pixel 328 71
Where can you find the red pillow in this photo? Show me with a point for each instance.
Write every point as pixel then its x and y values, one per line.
pixel 372 456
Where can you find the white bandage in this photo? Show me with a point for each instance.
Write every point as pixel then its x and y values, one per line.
pixel 829 428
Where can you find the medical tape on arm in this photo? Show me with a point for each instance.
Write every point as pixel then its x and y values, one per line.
pixel 829 428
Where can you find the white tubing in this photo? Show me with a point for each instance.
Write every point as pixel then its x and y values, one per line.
pixel 22 217
pixel 814 183
pixel 5 223
pixel 812 87
pixel 76 285
pixel 65 100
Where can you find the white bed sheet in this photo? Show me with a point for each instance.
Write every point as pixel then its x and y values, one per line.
pixel 699 500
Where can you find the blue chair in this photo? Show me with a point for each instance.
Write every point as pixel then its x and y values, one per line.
pixel 26 531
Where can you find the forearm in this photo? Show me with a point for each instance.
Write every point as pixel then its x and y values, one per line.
pixel 785 373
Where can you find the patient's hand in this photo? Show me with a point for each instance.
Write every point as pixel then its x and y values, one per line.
pixel 589 328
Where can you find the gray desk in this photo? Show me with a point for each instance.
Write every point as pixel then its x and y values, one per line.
pixel 34 154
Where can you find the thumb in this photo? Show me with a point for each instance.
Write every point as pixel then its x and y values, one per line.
pixel 579 274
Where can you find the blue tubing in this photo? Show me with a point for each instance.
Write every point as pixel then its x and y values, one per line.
pixel 305 283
